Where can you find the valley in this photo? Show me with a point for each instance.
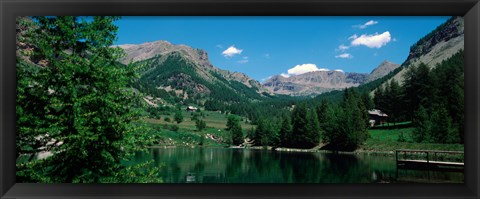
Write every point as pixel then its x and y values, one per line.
pixel 118 110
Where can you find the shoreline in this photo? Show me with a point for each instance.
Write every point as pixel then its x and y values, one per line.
pixel 282 149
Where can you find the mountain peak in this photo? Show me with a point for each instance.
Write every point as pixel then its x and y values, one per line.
pixel 314 82
pixel 137 52
pixel 381 70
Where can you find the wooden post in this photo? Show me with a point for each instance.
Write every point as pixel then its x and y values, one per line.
pixel 427 157
pixel 396 157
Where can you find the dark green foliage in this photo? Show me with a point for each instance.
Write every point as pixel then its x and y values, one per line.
pixel 368 101
pixel 237 134
pixel 179 73
pixel 422 124
pixel 251 133
pixel 201 141
pixel 313 129
pixel 442 130
pixel 324 117
pixel 200 124
pixel 232 120
pixel 233 125
pixel 156 112
pixel 393 101
pixel 81 102
pixel 174 128
pixel 331 125
pixel 418 87
pixel 354 120
pixel 401 137
pixel 285 133
pixel 305 127
pixel 299 125
pixel 439 117
pixel 449 82
pixel 380 98
pixel 346 126
pixel 266 133
pixel 178 117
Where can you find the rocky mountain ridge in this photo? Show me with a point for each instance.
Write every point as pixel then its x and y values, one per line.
pixel 440 44
pixel 318 82
pixel 164 49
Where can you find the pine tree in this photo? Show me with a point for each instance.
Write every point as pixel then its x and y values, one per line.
pixel 299 126
pixel 285 131
pixel 237 134
pixel 379 98
pixel 261 133
pixel 232 120
pixel 418 88
pixel 394 101
pixel 422 124
pixel 368 101
pixel 312 137
pixel 200 124
pixel 442 130
pixel 178 117
pixel 233 125
pixel 83 103
pixel 353 122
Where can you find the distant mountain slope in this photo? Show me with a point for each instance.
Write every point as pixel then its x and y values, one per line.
pixel 313 82
pixel 441 44
pixel 181 73
pixel 318 82
pixel 383 69
pixel 446 40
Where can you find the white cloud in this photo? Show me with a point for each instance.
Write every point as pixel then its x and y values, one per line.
pixel 344 56
pixel 343 47
pixel 243 60
pixel 353 36
pixel 303 68
pixel 231 51
pixel 339 70
pixel 365 25
pixel 371 41
pixel 219 46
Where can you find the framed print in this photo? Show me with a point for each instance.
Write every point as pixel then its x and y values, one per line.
pixel 239 99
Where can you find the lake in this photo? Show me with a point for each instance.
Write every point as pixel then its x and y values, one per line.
pixel 225 165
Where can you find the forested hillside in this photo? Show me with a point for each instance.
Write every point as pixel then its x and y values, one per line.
pixel 85 107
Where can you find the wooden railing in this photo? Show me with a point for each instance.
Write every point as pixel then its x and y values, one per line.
pixel 429 158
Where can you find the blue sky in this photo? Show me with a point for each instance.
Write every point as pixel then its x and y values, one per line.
pixel 264 46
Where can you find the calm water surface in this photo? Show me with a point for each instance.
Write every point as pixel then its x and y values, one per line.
pixel 222 165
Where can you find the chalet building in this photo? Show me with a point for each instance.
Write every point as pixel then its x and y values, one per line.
pixel 377 117
pixel 192 108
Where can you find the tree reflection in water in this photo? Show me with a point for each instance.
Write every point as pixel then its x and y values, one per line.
pixel 220 165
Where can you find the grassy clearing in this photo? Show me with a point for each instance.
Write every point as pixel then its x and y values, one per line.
pixel 212 118
pixel 187 134
pixel 381 140
pixel 388 141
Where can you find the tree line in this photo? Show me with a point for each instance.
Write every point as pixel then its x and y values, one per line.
pixel 342 126
pixel 433 99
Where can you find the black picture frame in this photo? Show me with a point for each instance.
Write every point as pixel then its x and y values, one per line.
pixel 9 9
